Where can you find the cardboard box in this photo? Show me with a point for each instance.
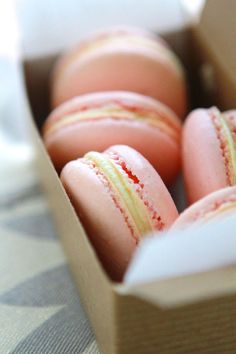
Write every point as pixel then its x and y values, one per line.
pixel 190 314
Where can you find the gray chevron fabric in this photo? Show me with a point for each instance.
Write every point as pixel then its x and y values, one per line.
pixel 40 310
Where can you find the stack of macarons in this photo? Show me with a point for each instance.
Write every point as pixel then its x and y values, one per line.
pixel 115 135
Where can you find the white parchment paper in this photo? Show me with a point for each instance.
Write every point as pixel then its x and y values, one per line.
pixel 196 249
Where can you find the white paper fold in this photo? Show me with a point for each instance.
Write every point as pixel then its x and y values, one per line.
pixel 193 250
pixel 67 22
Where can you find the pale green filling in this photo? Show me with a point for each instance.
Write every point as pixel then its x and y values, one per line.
pixel 231 145
pixel 115 113
pixel 132 204
pixel 225 208
pixel 139 40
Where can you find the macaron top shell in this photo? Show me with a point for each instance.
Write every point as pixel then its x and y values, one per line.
pixel 209 155
pixel 214 206
pixel 121 60
pixel 119 197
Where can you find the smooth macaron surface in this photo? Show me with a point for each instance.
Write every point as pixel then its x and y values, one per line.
pixel 214 206
pixel 98 120
pixel 119 198
pixel 121 59
pixel 209 154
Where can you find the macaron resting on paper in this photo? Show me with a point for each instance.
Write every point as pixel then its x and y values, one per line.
pixel 119 198
pixel 209 151
pixel 98 120
pixel 121 58
pixel 216 205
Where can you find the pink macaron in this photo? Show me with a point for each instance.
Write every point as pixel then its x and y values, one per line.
pixel 98 120
pixel 214 206
pixel 119 198
pixel 121 58
pixel 209 151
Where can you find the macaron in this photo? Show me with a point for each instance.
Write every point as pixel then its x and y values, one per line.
pixel 98 120
pixel 209 152
pixel 121 58
pixel 119 198
pixel 214 206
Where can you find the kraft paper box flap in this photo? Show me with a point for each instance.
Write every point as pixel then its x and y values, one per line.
pixel 217 25
pixel 215 31
pixel 174 292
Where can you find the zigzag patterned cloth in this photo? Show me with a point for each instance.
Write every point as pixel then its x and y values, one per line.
pixel 40 310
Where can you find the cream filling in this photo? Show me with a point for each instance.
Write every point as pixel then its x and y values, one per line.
pixel 231 145
pixel 132 40
pixel 225 208
pixel 127 196
pixel 129 39
pixel 114 113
